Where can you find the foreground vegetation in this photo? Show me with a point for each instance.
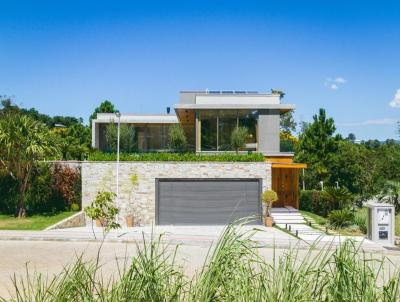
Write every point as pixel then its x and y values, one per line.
pixel 234 271
pixel 32 223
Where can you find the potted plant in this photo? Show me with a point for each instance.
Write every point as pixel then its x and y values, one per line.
pixel 269 197
pixel 130 220
pixel 103 210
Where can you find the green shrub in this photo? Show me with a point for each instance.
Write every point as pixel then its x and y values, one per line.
pixel 51 190
pixel 75 207
pixel 41 196
pixel 313 201
pixel 177 138
pixel 360 219
pixel 287 146
pixel 66 182
pixel 192 157
pixel 126 137
pixel 305 200
pixel 341 218
pixel 8 194
pixel 337 198
pixel 102 208
pixel 238 138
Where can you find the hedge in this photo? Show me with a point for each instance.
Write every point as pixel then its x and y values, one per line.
pixel 223 157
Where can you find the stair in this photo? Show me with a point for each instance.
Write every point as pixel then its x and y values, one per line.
pixel 293 221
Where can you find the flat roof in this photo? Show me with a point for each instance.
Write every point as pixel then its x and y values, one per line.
pixel 227 92
pixel 137 118
pixel 282 107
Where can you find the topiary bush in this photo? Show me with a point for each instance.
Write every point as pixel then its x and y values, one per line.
pixel 269 197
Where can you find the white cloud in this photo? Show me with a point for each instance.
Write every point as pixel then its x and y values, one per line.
pixel 395 103
pixel 340 80
pixel 335 83
pixel 378 122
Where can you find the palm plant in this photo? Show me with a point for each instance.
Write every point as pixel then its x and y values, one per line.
pixel 24 142
pixel 337 198
pixel 391 194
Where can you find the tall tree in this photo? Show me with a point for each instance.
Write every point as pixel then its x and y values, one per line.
pixel 351 137
pixel 105 107
pixel 288 124
pixel 24 142
pixel 317 146
pixel 126 138
pixel 177 138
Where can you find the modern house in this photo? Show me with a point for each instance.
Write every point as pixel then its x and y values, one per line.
pixel 203 193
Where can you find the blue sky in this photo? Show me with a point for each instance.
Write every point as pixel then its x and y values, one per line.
pixel 64 58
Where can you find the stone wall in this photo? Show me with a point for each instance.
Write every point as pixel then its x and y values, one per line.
pixel 74 221
pixel 137 181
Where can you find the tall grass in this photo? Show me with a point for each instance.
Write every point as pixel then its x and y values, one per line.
pixel 234 270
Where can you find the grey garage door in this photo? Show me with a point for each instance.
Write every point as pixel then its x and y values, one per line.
pixel 199 201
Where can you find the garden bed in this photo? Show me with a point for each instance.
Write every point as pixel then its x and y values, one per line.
pixel 194 157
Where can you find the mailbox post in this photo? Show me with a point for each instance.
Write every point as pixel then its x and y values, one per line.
pixel 380 223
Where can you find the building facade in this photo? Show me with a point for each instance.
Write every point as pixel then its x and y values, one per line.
pixel 201 193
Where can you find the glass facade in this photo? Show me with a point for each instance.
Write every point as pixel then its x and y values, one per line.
pixel 208 131
pixel 218 125
pixel 147 138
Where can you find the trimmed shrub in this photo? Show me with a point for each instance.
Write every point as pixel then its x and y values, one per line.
pixel 192 157
pixel 305 199
pixel 341 218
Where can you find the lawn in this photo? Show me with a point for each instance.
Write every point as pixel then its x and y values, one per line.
pixel 323 222
pixel 34 222
pixel 397 225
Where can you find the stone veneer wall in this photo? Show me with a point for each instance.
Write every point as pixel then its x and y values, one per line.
pixel 138 197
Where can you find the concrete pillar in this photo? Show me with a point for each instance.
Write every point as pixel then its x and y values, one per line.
pixel 198 132
pixel 268 131
pixel 95 135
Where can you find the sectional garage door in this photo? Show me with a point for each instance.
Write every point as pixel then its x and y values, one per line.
pixel 207 201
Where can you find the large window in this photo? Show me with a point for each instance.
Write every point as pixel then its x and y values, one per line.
pixel 208 131
pixel 146 138
pixel 217 127
pixel 227 122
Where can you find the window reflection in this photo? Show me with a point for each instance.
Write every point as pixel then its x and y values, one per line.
pixel 217 127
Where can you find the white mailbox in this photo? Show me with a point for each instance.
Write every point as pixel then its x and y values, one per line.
pixel 380 223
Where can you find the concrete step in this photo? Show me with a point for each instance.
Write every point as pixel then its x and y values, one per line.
pixel 286 214
pixel 289 220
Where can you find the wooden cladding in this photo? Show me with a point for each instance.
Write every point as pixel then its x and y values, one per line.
pixel 285 182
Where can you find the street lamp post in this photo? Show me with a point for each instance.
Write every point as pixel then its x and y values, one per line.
pixel 118 115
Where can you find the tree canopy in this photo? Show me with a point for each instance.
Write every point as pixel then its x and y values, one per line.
pixel 23 143
pixel 105 107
